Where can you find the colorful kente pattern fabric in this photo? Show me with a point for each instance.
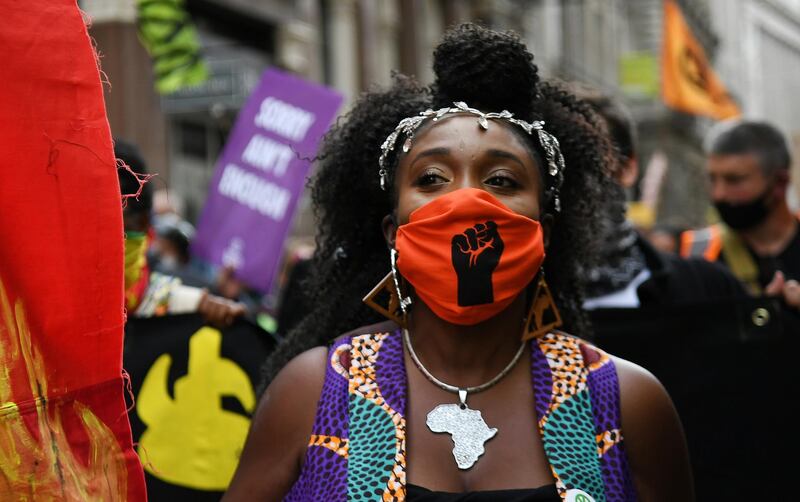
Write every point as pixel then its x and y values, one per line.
pixel 357 446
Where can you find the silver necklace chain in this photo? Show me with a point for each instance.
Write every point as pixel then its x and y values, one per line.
pixel 452 388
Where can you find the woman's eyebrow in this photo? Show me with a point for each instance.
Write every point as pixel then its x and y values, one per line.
pixel 504 155
pixel 431 152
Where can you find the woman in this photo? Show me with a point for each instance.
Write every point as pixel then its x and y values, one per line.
pixel 469 391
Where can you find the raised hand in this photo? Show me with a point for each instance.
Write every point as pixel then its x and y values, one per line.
pixel 476 253
pixel 219 311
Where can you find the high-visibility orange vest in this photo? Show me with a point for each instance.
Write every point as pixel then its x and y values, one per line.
pixel 705 243
pixel 710 242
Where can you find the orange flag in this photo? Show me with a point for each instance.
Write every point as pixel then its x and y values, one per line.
pixel 689 83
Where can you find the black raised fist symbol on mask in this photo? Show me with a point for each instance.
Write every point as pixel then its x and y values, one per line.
pixel 476 253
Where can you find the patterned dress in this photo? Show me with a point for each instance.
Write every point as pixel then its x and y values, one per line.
pixel 358 442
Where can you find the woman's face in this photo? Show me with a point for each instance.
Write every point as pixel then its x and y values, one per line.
pixel 456 153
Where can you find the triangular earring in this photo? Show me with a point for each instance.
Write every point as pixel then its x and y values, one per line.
pixel 386 298
pixel 543 315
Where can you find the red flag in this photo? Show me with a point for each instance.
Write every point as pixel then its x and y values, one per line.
pixel 64 431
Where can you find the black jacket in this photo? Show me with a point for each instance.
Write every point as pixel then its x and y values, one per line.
pixel 727 362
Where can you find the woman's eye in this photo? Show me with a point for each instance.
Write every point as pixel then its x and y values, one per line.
pixel 430 178
pixel 502 181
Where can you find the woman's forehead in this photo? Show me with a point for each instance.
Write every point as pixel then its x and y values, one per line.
pixel 463 131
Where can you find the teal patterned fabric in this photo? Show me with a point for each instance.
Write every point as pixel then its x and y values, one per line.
pixel 372 449
pixel 571 446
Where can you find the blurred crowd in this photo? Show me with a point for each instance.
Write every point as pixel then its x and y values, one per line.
pixel 163 277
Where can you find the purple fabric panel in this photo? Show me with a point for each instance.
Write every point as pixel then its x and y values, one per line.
pixel 324 472
pixel 390 372
pixel 617 475
pixel 604 391
pixel 331 418
pixel 324 477
pixel 542 379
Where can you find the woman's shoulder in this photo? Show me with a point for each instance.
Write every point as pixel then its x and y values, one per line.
pixel 643 399
pixel 560 345
pixel 654 438
pixel 654 441
pixel 280 429
pixel 629 374
pixel 635 382
pixel 370 329
pixel 306 371
pixel 284 420
pixel 296 388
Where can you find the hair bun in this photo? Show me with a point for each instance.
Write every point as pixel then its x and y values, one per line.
pixel 487 69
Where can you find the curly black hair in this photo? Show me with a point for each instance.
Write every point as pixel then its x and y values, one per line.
pixel 491 71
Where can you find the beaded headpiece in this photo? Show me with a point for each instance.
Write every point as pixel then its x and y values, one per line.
pixel 548 142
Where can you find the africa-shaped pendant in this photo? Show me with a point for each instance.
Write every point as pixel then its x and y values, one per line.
pixel 466 426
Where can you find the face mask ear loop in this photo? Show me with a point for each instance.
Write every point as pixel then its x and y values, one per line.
pixel 404 302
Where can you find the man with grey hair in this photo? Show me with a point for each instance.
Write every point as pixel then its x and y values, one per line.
pixel 758 238
pixel 690 321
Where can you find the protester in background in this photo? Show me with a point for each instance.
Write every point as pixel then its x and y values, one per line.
pixel 173 237
pixel 758 238
pixel 295 300
pixel 149 293
pixel 169 253
pixel 631 273
pixel 711 345
pixel 467 191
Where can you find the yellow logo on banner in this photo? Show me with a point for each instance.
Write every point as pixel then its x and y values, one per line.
pixel 689 83
pixel 190 440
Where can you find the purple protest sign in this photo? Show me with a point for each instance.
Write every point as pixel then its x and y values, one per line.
pixel 261 174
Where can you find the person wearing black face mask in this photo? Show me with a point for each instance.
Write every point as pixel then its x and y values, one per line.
pixel 687 320
pixel 745 215
pixel 758 238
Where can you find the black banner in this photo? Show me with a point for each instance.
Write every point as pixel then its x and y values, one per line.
pixel 194 387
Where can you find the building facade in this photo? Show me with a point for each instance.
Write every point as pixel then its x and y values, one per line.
pixel 760 59
pixel 354 44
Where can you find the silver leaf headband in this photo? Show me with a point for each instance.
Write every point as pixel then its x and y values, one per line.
pixel 548 142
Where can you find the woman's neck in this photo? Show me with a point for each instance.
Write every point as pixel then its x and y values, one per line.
pixel 465 356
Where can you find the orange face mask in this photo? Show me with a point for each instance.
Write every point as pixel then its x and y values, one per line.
pixel 468 256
